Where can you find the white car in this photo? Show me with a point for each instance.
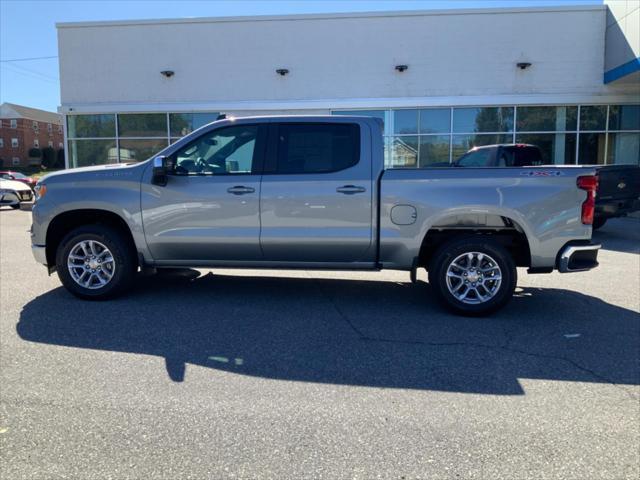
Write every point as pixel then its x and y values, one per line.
pixel 12 193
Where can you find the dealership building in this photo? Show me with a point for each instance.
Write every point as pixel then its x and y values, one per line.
pixel 564 78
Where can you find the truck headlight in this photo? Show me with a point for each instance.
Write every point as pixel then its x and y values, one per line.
pixel 40 191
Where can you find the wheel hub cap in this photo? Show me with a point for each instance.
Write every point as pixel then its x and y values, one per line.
pixel 91 264
pixel 474 278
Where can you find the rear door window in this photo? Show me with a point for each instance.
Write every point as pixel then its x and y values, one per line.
pixel 316 147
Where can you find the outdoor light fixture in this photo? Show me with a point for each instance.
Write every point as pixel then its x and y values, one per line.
pixel 167 73
pixel 401 68
pixel 523 65
pixel 282 71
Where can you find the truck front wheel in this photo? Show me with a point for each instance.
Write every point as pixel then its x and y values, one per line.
pixel 473 275
pixel 95 262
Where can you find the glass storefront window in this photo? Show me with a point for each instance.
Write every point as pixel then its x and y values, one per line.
pixel 461 144
pixel 591 148
pixel 593 117
pixel 84 153
pixel 623 148
pixel 403 152
pixel 142 125
pixel 624 117
pixel 88 126
pixel 138 150
pixel 557 148
pixel 546 119
pixel 483 119
pixel 182 124
pixel 405 121
pixel 433 149
pixel 435 120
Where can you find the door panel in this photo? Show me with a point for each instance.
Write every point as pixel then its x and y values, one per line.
pixel 209 209
pixel 197 218
pixel 320 216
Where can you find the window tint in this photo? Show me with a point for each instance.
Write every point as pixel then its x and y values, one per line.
pixel 317 148
pixel 479 158
pixel 519 156
pixel 222 152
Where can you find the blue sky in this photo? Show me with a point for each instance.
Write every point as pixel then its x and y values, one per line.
pixel 27 29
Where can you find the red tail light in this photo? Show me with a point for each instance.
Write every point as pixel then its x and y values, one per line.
pixel 590 184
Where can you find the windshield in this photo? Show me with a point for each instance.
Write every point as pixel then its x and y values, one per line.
pixel 18 175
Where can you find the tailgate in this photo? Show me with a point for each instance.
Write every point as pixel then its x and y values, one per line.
pixel 618 182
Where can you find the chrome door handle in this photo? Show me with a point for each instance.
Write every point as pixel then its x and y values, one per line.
pixel 350 189
pixel 240 190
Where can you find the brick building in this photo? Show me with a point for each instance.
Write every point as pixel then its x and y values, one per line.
pixel 24 128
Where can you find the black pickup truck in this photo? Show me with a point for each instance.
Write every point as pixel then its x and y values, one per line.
pixel 618 192
pixel 618 187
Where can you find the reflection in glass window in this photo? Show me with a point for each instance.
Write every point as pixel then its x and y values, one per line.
pixel 591 148
pixel 138 150
pixel 556 148
pixel 404 152
pixel 593 117
pixel 87 126
pixel 464 143
pixel 483 119
pixel 482 157
pixel 142 125
pixel 83 153
pixel 435 120
pixel 182 124
pixel 433 149
pixel 405 121
pixel 547 119
pixel 624 117
pixel 623 148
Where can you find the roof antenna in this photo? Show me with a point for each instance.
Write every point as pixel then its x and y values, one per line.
pixel 221 116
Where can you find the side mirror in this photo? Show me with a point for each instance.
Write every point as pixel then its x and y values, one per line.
pixel 162 167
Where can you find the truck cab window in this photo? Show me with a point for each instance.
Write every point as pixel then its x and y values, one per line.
pixel 223 151
pixel 317 148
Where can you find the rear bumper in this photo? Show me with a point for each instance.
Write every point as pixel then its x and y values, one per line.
pixel 578 257
pixel 617 208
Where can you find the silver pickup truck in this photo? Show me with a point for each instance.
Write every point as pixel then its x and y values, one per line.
pixel 312 192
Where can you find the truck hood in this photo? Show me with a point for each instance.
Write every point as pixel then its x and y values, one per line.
pixel 91 172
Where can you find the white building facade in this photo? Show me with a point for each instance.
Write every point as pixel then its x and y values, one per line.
pixel 442 81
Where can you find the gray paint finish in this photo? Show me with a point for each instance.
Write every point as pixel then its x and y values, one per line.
pixel 303 221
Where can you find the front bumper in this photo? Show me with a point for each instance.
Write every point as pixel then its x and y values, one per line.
pixel 9 198
pixel 40 254
pixel 578 257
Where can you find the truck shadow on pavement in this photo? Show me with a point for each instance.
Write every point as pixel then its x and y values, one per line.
pixel 348 332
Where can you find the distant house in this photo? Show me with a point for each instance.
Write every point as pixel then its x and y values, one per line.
pixel 23 129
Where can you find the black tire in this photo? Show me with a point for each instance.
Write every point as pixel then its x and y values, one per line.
pixel 123 256
pixel 453 249
pixel 16 206
pixel 598 222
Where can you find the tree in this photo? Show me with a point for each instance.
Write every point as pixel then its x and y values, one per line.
pixel 60 159
pixel 48 157
pixel 35 153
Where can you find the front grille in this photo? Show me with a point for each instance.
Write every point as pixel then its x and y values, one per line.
pixel 25 195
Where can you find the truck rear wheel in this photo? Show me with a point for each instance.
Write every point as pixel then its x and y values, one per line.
pixel 473 275
pixel 94 262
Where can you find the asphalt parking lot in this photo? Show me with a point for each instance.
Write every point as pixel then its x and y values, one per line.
pixel 267 374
